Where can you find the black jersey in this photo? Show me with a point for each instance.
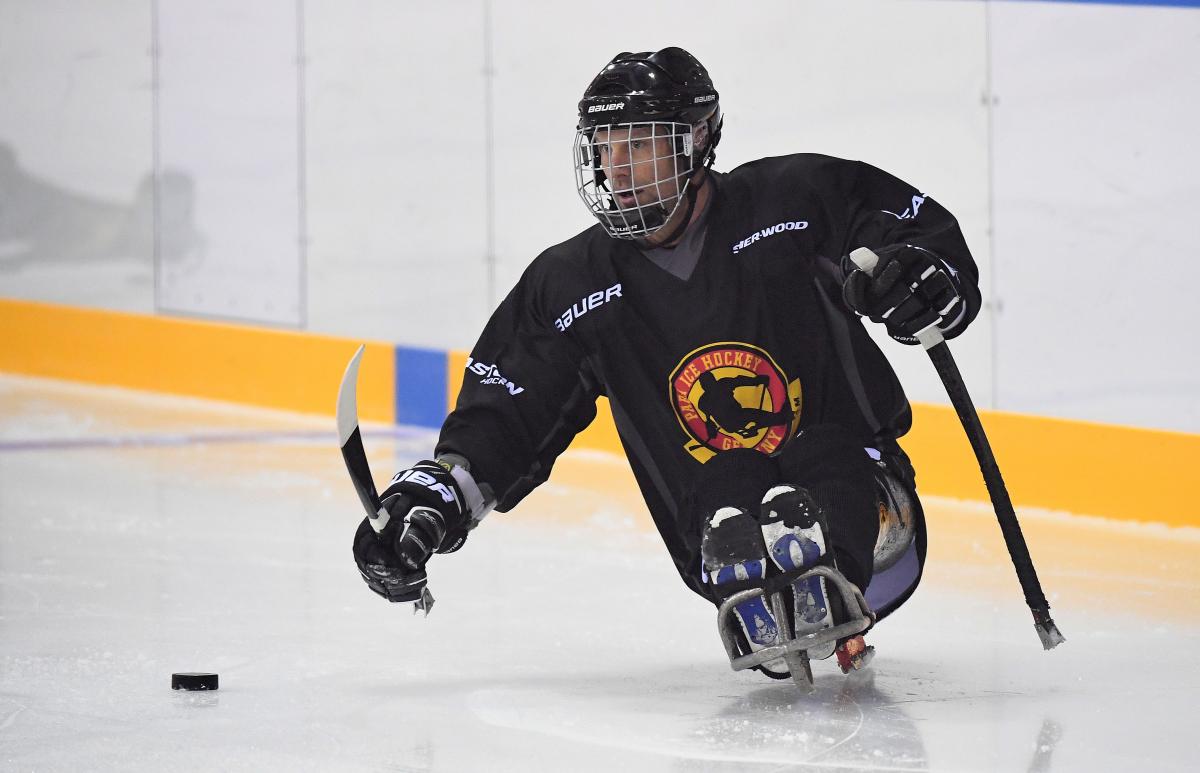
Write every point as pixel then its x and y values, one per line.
pixel 753 347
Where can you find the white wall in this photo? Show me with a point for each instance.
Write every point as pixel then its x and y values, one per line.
pixel 433 162
pixel 1096 198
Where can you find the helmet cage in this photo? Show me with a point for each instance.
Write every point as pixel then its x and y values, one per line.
pixel 656 191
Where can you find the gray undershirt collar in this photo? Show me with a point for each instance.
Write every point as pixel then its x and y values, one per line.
pixel 681 259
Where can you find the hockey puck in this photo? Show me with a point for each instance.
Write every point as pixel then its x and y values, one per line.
pixel 193 680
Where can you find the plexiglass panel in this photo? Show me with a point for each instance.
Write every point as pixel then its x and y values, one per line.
pixel 229 194
pixel 1096 198
pixel 76 200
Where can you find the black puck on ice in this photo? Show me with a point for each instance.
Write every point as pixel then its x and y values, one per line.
pixel 193 680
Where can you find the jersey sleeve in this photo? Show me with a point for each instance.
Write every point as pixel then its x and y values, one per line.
pixel 526 393
pixel 884 210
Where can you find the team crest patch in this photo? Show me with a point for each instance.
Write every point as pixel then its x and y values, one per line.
pixel 733 395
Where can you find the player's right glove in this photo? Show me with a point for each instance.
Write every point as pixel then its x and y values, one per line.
pixel 910 289
pixel 429 513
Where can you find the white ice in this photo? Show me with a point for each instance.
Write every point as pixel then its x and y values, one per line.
pixel 141 535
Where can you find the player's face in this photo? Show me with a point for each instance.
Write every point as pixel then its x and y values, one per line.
pixel 640 164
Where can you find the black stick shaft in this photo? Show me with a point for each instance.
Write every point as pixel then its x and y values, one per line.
pixel 932 341
pixel 952 379
pixel 355 457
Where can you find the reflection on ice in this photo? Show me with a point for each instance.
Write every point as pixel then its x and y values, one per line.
pixel 1047 739
pixel 848 722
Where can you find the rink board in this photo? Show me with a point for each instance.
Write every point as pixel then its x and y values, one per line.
pixel 1103 470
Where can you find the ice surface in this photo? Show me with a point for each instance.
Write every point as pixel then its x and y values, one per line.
pixel 143 535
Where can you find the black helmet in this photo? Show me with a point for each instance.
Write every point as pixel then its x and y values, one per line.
pixel 666 85
pixel 668 91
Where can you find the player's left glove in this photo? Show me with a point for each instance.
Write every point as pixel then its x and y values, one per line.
pixel 909 290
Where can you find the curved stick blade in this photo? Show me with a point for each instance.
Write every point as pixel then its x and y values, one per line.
pixel 353 452
pixel 347 402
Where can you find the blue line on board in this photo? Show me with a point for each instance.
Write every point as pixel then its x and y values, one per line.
pixel 420 386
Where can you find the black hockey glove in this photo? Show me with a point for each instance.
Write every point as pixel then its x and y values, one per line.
pixel 908 291
pixel 429 514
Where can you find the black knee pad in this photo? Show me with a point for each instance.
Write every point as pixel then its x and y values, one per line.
pixel 732 479
pixel 822 448
pixel 834 466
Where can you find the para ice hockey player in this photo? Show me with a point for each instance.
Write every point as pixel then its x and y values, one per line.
pixel 719 315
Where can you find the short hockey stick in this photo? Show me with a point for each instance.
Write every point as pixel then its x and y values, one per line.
pixel 355 456
pixel 935 346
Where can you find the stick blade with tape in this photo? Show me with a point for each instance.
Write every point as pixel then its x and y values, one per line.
pixel 350 439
